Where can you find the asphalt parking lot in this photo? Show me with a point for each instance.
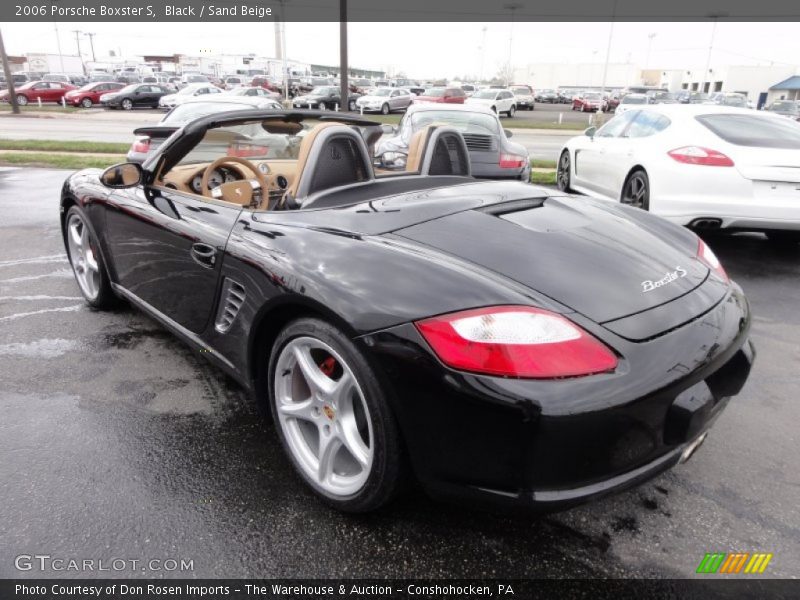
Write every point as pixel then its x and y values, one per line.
pixel 117 441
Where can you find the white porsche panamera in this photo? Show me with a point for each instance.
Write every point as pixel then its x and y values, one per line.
pixel 708 167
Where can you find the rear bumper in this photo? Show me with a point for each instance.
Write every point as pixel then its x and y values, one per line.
pixel 546 445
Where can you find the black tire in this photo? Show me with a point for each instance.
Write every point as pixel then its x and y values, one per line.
pixel 512 111
pixel 86 103
pixel 22 100
pixel 385 109
pixel 636 190
pixel 564 172
pixel 105 298
pixel 351 106
pixel 783 237
pixel 126 104
pixel 388 470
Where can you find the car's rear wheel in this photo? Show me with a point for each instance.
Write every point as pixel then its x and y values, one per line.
pixel 127 104
pixel 86 261
pixel 636 190
pixel 333 417
pixel 385 109
pixel 22 100
pixel 86 103
pixel 784 237
pixel 564 173
pixel 323 106
pixel 351 105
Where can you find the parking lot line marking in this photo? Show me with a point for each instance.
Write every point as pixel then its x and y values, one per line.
pixel 72 308
pixel 66 273
pixel 38 297
pixel 33 261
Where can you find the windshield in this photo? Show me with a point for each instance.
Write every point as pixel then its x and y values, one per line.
pixel 129 88
pixel 269 138
pixel 189 111
pixel 197 79
pixel 592 96
pixel 520 90
pixel 634 100
pixel 434 92
pixel 784 106
pixel 755 130
pixel 463 121
pixel 189 89
pixel 322 91
pixel 381 92
pixel 485 94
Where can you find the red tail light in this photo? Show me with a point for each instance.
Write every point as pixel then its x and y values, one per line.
pixel 516 341
pixel 141 145
pixel 511 161
pixel 696 155
pixel 706 256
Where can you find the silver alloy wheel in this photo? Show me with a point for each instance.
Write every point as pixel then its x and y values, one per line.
pixel 323 416
pixel 82 257
pixel 635 191
pixel 352 105
pixel 86 102
pixel 563 175
pixel 385 109
pixel 127 104
pixel 22 100
pixel 322 106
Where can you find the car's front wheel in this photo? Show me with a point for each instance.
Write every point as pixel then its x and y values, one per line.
pixel 127 104
pixel 333 417
pixel 86 261
pixel 385 109
pixel 512 111
pixel 22 100
pixel 86 103
pixel 351 106
pixel 636 190
pixel 564 173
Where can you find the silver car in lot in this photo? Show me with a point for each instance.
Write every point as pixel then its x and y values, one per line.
pixel 385 100
pixel 149 138
pixel 492 155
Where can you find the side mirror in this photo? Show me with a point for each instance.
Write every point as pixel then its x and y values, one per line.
pixel 508 133
pixel 590 132
pixel 124 175
pixel 388 129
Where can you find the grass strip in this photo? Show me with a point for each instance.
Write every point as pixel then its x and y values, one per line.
pixel 65 146
pixel 59 161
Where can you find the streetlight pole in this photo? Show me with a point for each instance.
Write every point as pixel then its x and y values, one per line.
pixel 708 58
pixel 58 43
pixel 509 72
pixel 650 37
pixel 344 90
pixel 78 33
pixel 608 54
pixel 483 50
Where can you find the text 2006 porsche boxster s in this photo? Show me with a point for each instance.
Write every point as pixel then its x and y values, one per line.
pixel 502 343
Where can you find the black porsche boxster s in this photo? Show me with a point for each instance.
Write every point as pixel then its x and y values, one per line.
pixel 500 342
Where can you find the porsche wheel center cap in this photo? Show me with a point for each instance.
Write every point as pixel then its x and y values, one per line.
pixel 328 412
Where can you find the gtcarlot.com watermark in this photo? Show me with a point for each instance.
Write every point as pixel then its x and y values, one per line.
pixel 45 562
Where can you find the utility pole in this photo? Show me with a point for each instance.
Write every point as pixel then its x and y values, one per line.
pixel 58 43
pixel 12 93
pixel 483 49
pixel 650 37
pixel 344 89
pixel 91 44
pixel 278 46
pixel 78 33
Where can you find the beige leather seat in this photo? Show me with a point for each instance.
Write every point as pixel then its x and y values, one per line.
pixel 416 148
pixel 302 157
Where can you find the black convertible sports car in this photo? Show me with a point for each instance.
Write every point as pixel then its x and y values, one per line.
pixel 501 342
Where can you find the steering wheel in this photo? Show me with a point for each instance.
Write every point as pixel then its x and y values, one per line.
pixel 236 192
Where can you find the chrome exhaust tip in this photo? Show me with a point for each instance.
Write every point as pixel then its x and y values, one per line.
pixel 692 447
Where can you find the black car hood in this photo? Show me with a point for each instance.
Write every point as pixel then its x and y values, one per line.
pixel 584 256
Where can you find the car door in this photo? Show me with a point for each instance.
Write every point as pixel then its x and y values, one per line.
pixel 592 161
pixel 166 248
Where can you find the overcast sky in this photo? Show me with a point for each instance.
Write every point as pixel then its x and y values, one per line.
pixel 427 50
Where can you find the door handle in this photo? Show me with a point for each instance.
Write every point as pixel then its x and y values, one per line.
pixel 204 255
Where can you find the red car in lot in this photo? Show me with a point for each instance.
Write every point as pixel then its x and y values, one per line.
pixel 588 102
pixel 46 91
pixel 450 95
pixel 90 93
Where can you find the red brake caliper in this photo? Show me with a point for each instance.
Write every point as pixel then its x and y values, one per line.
pixel 328 365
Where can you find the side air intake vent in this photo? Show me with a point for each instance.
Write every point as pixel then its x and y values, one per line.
pixel 233 296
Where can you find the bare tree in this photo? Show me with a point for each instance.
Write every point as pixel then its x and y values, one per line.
pixel 505 74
